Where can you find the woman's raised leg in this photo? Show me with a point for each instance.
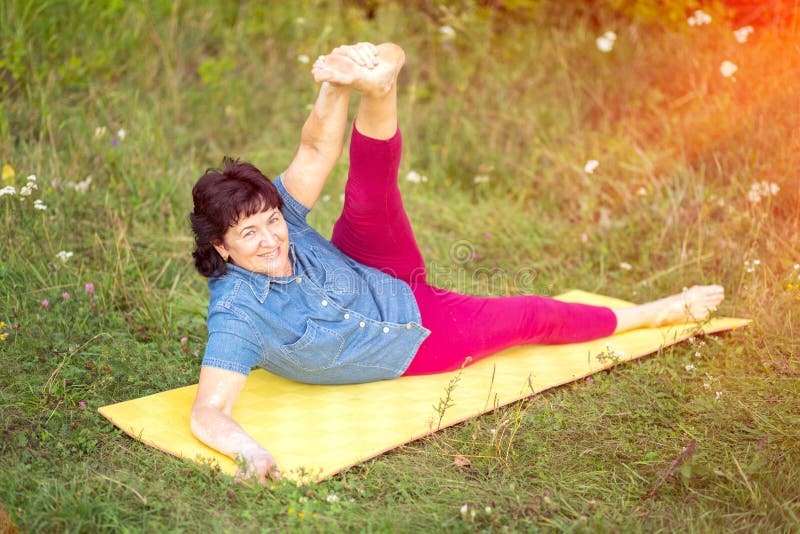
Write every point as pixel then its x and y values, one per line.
pixel 373 227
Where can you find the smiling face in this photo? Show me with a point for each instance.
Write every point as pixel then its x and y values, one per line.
pixel 259 243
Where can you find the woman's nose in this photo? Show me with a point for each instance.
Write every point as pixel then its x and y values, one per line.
pixel 268 240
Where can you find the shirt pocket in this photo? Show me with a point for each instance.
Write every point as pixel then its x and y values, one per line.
pixel 318 348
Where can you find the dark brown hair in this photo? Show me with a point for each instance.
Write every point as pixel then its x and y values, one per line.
pixel 222 197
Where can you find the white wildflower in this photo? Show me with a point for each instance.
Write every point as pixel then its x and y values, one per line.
pixel 31 178
pixel 39 205
pixel 27 189
pixel 332 498
pixel 625 266
pixel 717 395
pixel 706 385
pixel 83 185
pixel 728 69
pixel 761 190
pixel 605 43
pixel 742 34
pixel 642 192
pixel 302 58
pixel 699 18
pixel 121 134
pixel 464 509
pixel 797 266
pixel 64 255
pixel 690 367
pixel 8 190
pixel 326 198
pixel 481 179
pixel 100 131
pixel 447 32
pixel 488 509
pixel 415 177
pixel 591 166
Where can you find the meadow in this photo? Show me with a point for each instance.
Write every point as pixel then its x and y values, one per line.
pixel 659 156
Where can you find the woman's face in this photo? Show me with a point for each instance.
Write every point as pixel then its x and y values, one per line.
pixel 259 243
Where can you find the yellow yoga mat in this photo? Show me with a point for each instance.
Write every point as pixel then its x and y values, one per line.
pixel 317 431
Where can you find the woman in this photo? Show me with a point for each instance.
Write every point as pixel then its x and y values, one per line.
pixel 355 308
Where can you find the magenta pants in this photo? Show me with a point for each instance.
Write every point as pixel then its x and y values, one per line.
pixel 374 230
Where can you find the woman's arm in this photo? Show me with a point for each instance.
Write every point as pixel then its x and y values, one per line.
pixel 321 143
pixel 211 423
pixel 322 138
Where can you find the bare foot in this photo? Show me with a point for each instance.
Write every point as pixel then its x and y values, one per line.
pixel 351 66
pixel 692 305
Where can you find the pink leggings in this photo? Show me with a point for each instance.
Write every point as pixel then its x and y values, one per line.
pixel 374 230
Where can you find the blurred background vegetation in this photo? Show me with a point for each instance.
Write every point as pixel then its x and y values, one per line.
pixel 117 107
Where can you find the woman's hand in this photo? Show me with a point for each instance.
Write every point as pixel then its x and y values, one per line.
pixel 211 423
pixel 261 466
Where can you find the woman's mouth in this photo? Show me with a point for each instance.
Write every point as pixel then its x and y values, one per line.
pixel 271 255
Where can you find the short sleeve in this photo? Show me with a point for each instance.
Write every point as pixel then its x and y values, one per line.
pixel 293 211
pixel 228 349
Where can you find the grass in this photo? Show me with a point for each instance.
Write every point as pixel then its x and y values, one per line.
pixel 647 446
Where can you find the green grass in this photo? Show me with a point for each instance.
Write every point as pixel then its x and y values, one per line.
pixel 525 101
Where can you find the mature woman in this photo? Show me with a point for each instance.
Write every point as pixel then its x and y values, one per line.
pixel 356 308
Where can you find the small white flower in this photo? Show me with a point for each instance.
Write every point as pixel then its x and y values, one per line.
pixel 605 43
pixel 415 177
pixel 100 131
pixel 341 197
pixel 326 198
pixel 756 262
pixel 31 178
pixel 706 385
pixel 717 395
pixel 39 205
pixel 27 189
pixel 64 255
pixel 302 58
pixel 625 266
pixel 753 196
pixel 332 498
pixel 8 190
pixel 690 367
pixel 642 192
pixel 728 69
pixel 121 134
pixel 481 179
pixel 488 509
pixel 447 32
pixel 797 266
pixel 697 354
pixel 742 33
pixel 591 166
pixel 464 509
pixel 83 185
pixel 699 18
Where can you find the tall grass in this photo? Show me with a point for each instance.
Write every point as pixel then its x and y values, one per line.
pixel 144 96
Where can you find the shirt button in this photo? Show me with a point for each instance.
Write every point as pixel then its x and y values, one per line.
pixel 362 324
pixel 385 329
pixel 346 315
pixel 408 326
pixel 299 279
pixel 324 303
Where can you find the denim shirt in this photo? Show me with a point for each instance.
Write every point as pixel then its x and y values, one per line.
pixel 333 321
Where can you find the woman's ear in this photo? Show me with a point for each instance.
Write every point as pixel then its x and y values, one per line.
pixel 221 250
